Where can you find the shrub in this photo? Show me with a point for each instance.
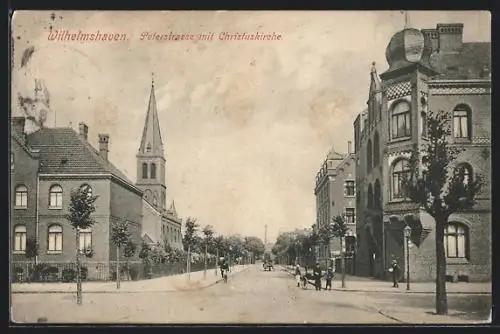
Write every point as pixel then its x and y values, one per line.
pixel 134 273
pixel 51 274
pixel 68 275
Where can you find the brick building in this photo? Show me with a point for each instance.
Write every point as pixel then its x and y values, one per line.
pixel 159 223
pixel 431 69
pixel 46 165
pixel 336 195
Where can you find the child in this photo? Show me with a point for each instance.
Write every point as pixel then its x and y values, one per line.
pixel 329 277
pixel 297 275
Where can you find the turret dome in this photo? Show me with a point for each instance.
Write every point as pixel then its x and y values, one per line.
pixel 408 46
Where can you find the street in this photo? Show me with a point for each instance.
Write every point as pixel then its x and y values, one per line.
pixel 251 296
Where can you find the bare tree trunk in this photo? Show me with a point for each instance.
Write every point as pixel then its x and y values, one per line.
pixel 216 261
pixel 117 267
pixel 441 298
pixel 342 250
pixel 205 272
pixel 188 264
pixel 78 280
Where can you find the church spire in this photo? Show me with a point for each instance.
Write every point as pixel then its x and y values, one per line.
pixel 151 136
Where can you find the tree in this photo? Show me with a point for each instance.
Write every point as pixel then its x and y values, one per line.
pixel 339 230
pixel 208 233
pixel 255 246
pixel 129 252
pixel 437 185
pixel 120 236
pixel 31 252
pixel 324 236
pixel 81 208
pixel 189 240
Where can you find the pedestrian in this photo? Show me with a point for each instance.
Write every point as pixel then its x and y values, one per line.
pixel 317 276
pixel 297 275
pixel 329 277
pixel 394 270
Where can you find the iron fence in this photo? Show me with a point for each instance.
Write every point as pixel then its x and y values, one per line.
pixel 26 272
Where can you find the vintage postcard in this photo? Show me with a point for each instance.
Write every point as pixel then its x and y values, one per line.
pixel 267 167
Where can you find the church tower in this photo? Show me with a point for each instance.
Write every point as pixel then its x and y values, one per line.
pixel 150 158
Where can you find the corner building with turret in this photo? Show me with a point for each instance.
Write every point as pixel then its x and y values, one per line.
pixel 429 70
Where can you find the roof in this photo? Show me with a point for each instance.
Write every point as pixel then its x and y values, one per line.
pixel 62 151
pixel 472 62
pixel 151 134
pixel 147 239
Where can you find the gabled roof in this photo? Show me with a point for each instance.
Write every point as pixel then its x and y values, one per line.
pixel 147 239
pixel 62 151
pixel 472 62
pixel 151 141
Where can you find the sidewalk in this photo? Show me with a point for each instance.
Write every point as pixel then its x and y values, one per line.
pixel 162 284
pixel 372 285
pixel 411 315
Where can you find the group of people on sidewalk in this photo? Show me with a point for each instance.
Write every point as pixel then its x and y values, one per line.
pixel 394 269
pixel 317 275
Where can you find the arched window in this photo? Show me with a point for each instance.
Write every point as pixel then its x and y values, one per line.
pixel 456 240
pixel 148 195
pixel 86 188
pixel 369 156
pixel 20 239
pixel 163 200
pixel 55 197
pixel 464 170
pixel 462 122
pixel 401 120
pixel 55 239
pixel 400 173
pixel 155 202
pixel 377 198
pixel 153 171
pixel 423 122
pixel 370 197
pixel 85 242
pixel 144 170
pixel 12 161
pixel 376 149
pixel 21 196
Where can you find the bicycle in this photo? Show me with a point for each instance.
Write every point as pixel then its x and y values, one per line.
pixel 224 275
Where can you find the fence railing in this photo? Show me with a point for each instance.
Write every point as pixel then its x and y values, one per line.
pixel 25 271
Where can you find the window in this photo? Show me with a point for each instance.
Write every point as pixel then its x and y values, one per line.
pixel 20 239
pixel 163 231
pixel 465 172
pixel 376 149
pixel 369 156
pixel 401 120
pixel 55 239
pixel 55 197
pixel 358 196
pixel 85 240
pixel 86 188
pixel 350 215
pixel 455 237
pixel 423 121
pixel 400 172
pixel 370 196
pixel 377 198
pixel 462 122
pixel 155 203
pixel 21 196
pixel 350 189
pixel 163 200
pixel 153 171
pixel 148 148
pixel 12 161
pixel 144 170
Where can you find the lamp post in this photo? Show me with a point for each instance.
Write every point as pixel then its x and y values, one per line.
pixel 230 254
pixel 407 233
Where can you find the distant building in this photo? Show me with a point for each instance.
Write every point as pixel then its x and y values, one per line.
pixel 335 195
pixel 46 165
pixel 159 223
pixel 429 70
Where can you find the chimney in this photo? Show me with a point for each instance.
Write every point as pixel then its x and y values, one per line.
pixel 18 125
pixel 433 37
pixel 103 145
pixel 83 129
pixel 349 147
pixel 450 36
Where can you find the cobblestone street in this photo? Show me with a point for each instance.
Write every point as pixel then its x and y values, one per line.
pixel 251 296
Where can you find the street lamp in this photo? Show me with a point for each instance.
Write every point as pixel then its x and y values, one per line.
pixel 230 253
pixel 407 233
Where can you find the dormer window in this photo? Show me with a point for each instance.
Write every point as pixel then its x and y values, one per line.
pixel 148 148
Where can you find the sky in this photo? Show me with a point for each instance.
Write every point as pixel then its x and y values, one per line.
pixel 245 124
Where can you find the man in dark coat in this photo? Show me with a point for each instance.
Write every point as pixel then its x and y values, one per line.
pixel 394 270
pixel 317 276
